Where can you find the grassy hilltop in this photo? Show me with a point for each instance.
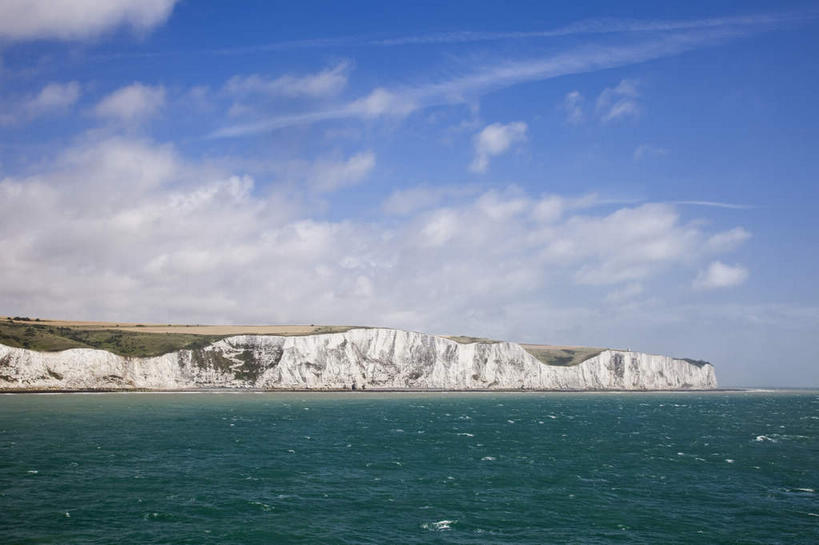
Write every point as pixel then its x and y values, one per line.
pixel 143 340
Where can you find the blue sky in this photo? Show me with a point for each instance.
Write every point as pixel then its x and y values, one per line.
pixel 632 175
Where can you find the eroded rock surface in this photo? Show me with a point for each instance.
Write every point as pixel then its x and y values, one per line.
pixel 355 359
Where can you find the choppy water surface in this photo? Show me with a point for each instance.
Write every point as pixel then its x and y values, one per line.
pixel 410 468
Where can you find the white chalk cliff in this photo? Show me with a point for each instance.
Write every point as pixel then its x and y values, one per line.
pixel 358 358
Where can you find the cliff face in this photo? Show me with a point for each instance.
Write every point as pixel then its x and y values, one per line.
pixel 359 358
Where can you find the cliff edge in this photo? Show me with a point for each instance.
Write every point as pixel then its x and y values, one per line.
pixel 372 359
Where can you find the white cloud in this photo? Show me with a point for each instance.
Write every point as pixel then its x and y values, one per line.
pixel 132 103
pixel 127 229
pixel 78 19
pixel 327 82
pixel 383 102
pixel 53 97
pixel 461 88
pixel 494 140
pixel 549 209
pixel 720 275
pixel 727 240
pixel 625 294
pixel 588 26
pixel 715 204
pixel 403 202
pixel 573 104
pixel 332 175
pixel 620 102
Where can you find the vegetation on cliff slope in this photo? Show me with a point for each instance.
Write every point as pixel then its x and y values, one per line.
pixel 562 356
pixel 143 340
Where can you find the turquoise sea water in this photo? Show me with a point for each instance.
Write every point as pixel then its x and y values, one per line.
pixel 278 468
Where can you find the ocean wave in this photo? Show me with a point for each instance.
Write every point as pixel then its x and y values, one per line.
pixel 439 526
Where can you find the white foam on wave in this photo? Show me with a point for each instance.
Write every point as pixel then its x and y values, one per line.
pixel 439 526
pixel 761 438
pixel 467 434
pixel 729 460
pixel 488 458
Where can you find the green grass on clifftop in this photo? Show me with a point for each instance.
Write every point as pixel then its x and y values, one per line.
pixel 139 340
pixel 47 338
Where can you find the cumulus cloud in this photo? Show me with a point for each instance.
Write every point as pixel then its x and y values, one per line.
pixel 619 102
pixel 727 240
pixel 494 140
pixel 403 202
pixel 127 229
pixel 131 103
pixel 383 102
pixel 332 175
pixel 53 97
pixel 78 19
pixel 720 275
pixel 327 82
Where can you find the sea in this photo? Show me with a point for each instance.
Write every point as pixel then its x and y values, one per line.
pixel 406 468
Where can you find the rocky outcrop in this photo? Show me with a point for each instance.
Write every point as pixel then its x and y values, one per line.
pixel 356 359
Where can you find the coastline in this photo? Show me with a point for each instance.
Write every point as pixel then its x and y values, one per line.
pixel 370 391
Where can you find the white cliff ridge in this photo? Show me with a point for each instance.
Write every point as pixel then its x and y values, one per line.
pixel 356 359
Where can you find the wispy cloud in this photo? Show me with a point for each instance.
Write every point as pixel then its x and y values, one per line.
pixel 326 82
pixel 590 26
pixel 645 150
pixel 573 105
pixel 715 204
pixel 403 100
pixel 587 27
pixel 619 102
